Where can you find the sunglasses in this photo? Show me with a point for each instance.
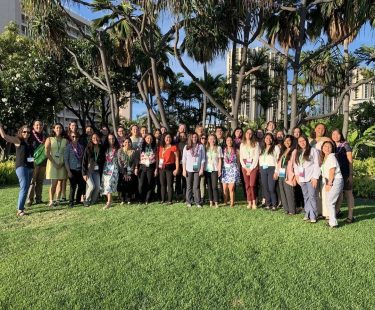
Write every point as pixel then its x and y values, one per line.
pixel 203 138
pixel 26 131
pixel 73 137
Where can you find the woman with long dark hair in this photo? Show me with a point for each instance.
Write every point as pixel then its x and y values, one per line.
pixel 73 164
pixel 128 165
pixel 267 162
pixel 180 179
pixel 148 158
pixel 285 173
pixel 92 167
pixel 333 182
pixel 24 162
pixel 307 171
pixel 193 161
pixel 110 169
pixel 231 172
pixel 344 156
pixel 55 170
pixel 168 167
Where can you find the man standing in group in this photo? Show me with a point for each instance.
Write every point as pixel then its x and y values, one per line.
pixel 36 187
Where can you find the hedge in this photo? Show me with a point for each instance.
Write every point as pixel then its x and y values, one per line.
pixel 7 173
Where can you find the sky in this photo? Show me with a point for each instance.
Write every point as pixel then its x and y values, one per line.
pixel 218 66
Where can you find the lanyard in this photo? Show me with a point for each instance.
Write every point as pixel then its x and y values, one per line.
pixel 283 161
pixel 301 160
pixel 96 154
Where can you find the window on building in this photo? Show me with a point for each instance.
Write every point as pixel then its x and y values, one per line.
pixel 365 91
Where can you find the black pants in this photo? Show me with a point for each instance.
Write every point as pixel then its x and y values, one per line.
pixel 299 196
pixel 192 188
pixel 128 186
pixel 180 185
pixel 146 182
pixel 211 180
pixel 166 182
pixel 287 196
pixel 76 181
pixel 269 186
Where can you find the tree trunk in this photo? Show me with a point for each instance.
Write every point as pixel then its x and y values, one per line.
pixel 296 66
pixel 157 93
pixel 233 73
pixel 285 91
pixel 241 78
pixel 345 125
pixel 112 97
pixel 204 108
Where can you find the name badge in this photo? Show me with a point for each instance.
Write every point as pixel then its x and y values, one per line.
pixel 248 163
pixel 30 159
pixel 57 156
pixel 282 172
pixel 265 167
pixel 129 171
pixel 226 166
pixel 96 167
pixel 301 171
pixel 161 162
pixel 147 163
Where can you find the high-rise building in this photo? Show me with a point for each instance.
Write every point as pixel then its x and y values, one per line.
pixel 10 10
pixel 250 109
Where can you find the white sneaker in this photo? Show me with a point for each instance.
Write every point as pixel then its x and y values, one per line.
pixel 199 206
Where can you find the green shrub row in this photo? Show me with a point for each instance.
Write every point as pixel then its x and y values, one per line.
pixel 8 173
pixel 363 168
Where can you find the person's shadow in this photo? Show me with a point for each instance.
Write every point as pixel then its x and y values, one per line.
pixel 364 211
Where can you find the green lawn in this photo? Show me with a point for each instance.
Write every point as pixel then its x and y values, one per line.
pixel 170 257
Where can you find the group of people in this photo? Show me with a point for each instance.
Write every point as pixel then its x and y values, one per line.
pixel 273 169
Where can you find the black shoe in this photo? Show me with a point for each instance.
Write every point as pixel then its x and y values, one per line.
pixel 339 214
pixel 71 205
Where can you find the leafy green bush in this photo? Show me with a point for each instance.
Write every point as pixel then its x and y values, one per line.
pixel 363 168
pixel 364 187
pixel 7 173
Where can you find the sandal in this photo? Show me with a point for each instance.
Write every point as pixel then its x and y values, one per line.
pixel 350 220
pixel 107 206
pixel 21 213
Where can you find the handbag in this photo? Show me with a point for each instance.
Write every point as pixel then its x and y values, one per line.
pixel 40 154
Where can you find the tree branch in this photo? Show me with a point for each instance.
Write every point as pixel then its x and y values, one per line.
pixel 196 80
pixel 87 75
pixel 252 70
pixel 341 99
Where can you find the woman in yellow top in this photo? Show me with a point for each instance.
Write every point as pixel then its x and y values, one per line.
pixel 55 171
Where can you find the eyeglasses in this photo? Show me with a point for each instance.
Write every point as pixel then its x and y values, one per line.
pixel 73 137
pixel 203 138
pixel 26 131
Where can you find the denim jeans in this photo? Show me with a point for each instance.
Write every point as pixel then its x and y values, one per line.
pixel 24 175
pixel 310 198
pixel 331 198
pixel 93 187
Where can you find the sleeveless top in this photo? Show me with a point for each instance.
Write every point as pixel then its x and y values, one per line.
pixel 23 152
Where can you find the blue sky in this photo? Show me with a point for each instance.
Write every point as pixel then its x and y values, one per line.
pixel 218 66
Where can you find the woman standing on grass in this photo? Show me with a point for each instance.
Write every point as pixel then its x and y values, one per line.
pixel 24 162
pixel 249 159
pixel 333 182
pixel 180 179
pixel 307 172
pixel 55 171
pixel 344 156
pixel 267 162
pixel 92 167
pixel 285 173
pixel 231 174
pixel 168 167
pixel 147 169
pixel 73 164
pixel 193 161
pixel 213 166
pixel 110 170
pixel 127 161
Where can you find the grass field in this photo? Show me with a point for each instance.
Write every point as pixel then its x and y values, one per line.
pixel 170 257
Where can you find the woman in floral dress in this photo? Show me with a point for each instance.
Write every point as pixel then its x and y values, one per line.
pixel 230 173
pixel 110 170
